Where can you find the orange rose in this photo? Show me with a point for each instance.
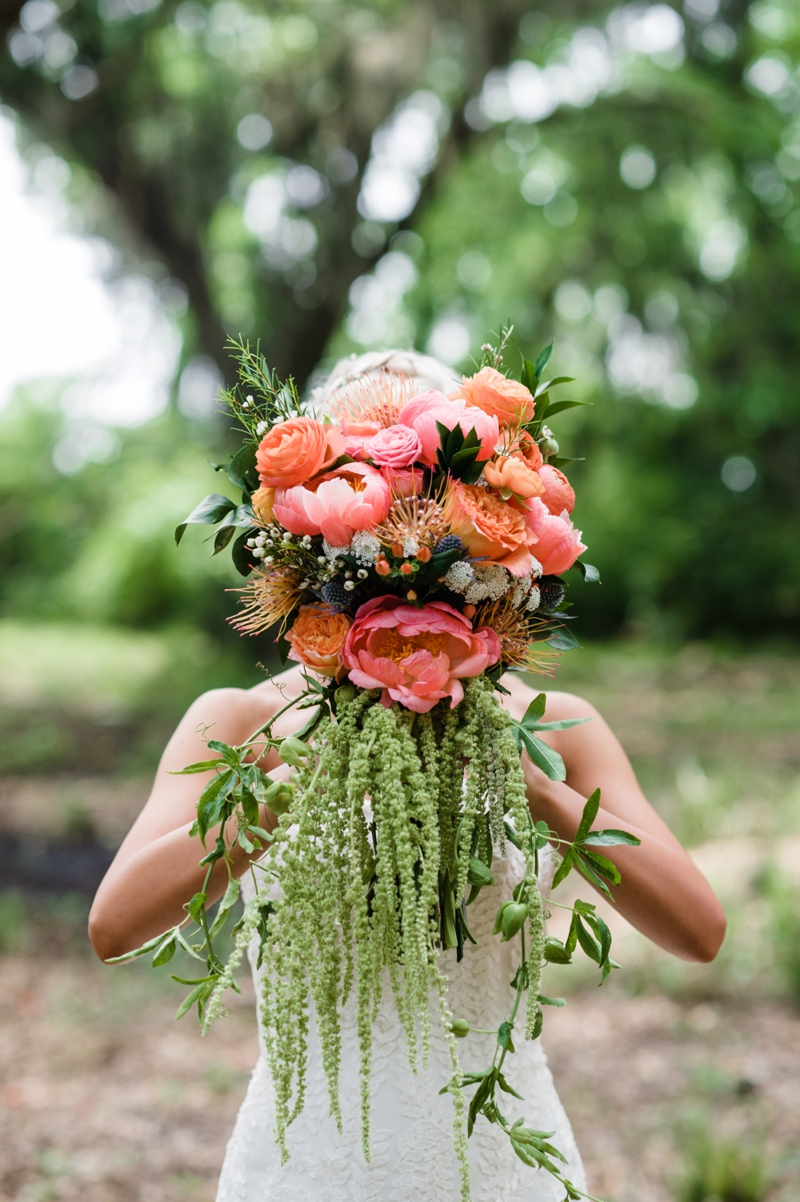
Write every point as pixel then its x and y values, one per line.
pixel 489 528
pixel 511 475
pixel 317 637
pixel 262 501
pixel 507 400
pixel 527 449
pixel 295 450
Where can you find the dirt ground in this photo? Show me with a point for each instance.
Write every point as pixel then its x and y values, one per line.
pixel 105 1099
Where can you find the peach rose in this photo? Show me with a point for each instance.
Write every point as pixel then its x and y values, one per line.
pixel 317 637
pixel 295 450
pixel 492 530
pixel 395 446
pixel 557 543
pixel 353 497
pixel 510 474
pixel 558 492
pixel 262 501
pixel 423 412
pixel 417 656
pixel 507 400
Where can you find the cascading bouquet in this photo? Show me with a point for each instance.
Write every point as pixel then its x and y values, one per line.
pixel 411 548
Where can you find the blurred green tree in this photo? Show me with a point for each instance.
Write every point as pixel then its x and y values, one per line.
pixel 335 176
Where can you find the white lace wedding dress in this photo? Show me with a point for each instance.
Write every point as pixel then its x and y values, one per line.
pixel 412 1125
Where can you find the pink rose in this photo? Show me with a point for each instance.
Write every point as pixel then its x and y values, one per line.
pixel 404 481
pixel 395 446
pixel 417 656
pixel 353 497
pixel 558 544
pixel 358 436
pixel 558 492
pixel 423 412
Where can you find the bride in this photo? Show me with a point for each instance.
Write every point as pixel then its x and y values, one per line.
pixel 156 871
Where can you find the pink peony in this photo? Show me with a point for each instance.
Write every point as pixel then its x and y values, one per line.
pixel 558 492
pixel 353 497
pixel 395 446
pixel 417 656
pixel 404 481
pixel 423 412
pixel 558 544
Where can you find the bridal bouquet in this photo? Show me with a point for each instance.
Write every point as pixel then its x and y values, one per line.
pixel 410 548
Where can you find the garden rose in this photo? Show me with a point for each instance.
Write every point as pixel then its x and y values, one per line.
pixel 317 637
pixel 491 529
pixel 507 400
pixel 423 412
pixel 395 447
pixel 558 544
pixel 262 501
pixel 509 472
pixel 558 492
pixel 295 450
pixel 417 656
pixel 353 497
pixel 526 448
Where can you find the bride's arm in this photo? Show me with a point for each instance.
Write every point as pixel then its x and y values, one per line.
pixel 157 870
pixel 663 893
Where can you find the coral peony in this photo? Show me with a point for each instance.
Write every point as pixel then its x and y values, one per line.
pixel 423 412
pixel 558 544
pixel 317 637
pixel 490 529
pixel 507 400
pixel 395 447
pixel 558 492
pixel 262 501
pixel 417 656
pixel 295 450
pixel 354 497
pixel 508 473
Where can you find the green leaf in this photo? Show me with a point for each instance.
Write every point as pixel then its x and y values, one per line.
pixel 141 951
pixel 535 710
pixel 565 867
pixel 588 816
pixel 551 1001
pixel 165 952
pixel 242 555
pixel 506 1088
pixel 504 1039
pixel 603 935
pixel 589 945
pixel 590 573
pixel 544 757
pixel 583 866
pixel 562 640
pixel 561 406
pixel 228 753
pixel 200 766
pixel 211 510
pixel 210 802
pixel 555 952
pixel 198 994
pixel 242 469
pixel 229 899
pixel 195 907
pixel 547 384
pixel 563 724
pixel 601 865
pixel 542 359
pixel 610 838
pixel 193 980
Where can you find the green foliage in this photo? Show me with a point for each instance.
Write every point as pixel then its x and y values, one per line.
pixel 723 1171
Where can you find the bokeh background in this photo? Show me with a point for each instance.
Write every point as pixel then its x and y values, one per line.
pixel 329 177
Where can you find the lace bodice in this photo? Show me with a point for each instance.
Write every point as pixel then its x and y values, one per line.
pixel 412 1125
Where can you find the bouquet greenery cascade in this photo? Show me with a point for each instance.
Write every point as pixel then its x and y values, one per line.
pixel 411 549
